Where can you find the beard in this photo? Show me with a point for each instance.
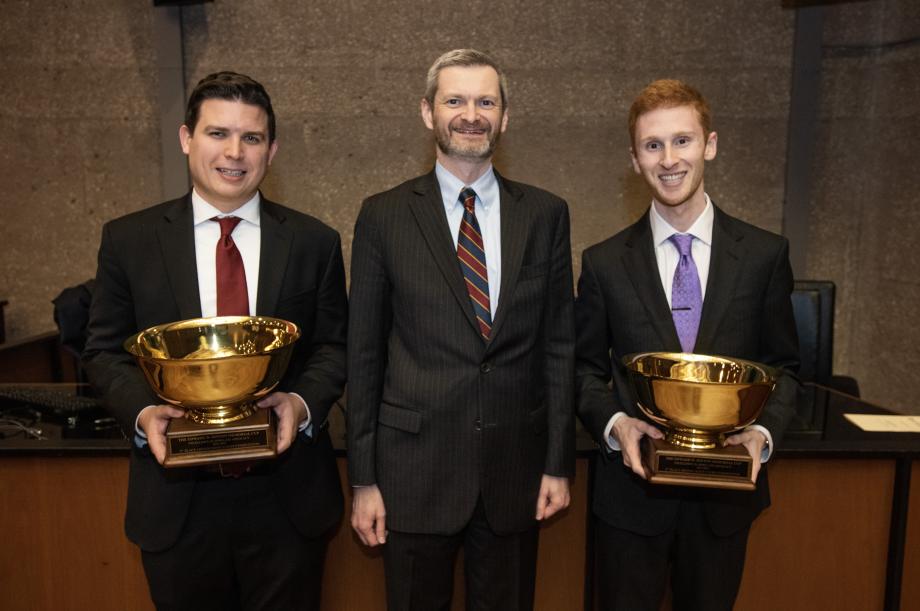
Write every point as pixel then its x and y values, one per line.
pixel 469 151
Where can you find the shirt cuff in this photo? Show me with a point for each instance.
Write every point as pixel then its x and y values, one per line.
pixel 305 427
pixel 768 448
pixel 140 437
pixel 612 443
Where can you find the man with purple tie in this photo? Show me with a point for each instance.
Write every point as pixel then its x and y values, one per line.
pixel 686 277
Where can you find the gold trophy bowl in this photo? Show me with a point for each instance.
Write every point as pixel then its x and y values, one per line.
pixel 699 399
pixel 216 369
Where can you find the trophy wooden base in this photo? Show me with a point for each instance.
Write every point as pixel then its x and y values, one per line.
pixel 728 467
pixel 190 444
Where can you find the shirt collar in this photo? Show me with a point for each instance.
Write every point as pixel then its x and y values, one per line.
pixel 451 187
pixel 701 228
pixel 203 211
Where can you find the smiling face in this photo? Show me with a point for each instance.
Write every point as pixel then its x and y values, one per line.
pixel 466 115
pixel 229 152
pixel 669 151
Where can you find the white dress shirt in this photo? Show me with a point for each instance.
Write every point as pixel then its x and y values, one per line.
pixel 488 214
pixel 667 256
pixel 247 235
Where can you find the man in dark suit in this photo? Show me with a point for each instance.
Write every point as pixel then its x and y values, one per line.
pixel 229 537
pixel 737 300
pixel 461 353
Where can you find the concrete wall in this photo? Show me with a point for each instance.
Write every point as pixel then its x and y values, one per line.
pixel 865 223
pixel 78 116
pixel 346 76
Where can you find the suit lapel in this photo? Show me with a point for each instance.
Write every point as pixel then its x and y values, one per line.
pixel 176 235
pixel 642 270
pixel 428 208
pixel 724 267
pixel 514 228
pixel 276 240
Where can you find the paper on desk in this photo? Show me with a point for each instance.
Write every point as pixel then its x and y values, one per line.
pixel 885 424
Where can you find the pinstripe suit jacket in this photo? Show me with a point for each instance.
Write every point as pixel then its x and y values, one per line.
pixel 622 309
pixel 436 415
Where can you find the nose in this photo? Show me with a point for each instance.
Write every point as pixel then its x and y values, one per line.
pixel 233 149
pixel 668 158
pixel 471 111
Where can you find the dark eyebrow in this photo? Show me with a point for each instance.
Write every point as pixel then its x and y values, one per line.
pixel 227 129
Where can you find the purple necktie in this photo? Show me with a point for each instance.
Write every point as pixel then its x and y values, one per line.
pixel 686 296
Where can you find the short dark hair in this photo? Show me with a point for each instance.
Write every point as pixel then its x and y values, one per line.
pixel 669 93
pixel 229 86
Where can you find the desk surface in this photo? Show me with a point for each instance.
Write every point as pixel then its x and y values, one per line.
pixel 820 428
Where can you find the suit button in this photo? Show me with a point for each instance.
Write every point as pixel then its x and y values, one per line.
pixel 477 424
pixel 485 367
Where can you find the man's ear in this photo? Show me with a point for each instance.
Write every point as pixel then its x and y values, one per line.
pixel 712 145
pixel 271 151
pixel 185 137
pixel 504 121
pixel 426 110
pixel 635 161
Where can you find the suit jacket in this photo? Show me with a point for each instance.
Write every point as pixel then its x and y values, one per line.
pixel 622 309
pixel 147 276
pixel 437 416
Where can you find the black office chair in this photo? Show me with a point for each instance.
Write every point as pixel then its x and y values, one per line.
pixel 71 314
pixel 813 307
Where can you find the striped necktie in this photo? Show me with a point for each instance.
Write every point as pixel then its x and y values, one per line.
pixel 472 257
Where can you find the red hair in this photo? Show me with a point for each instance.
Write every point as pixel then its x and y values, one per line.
pixel 668 93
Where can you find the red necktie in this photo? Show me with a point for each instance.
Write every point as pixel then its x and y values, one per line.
pixel 232 296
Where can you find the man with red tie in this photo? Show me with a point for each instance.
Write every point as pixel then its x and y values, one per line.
pixel 461 359
pixel 226 537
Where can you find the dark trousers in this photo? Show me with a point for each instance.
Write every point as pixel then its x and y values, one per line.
pixel 237 550
pixel 705 569
pixel 500 570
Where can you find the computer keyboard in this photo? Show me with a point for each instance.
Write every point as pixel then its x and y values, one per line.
pixel 53 399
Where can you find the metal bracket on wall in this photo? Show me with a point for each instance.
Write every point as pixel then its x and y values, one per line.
pixel 803 128
pixel 167 35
